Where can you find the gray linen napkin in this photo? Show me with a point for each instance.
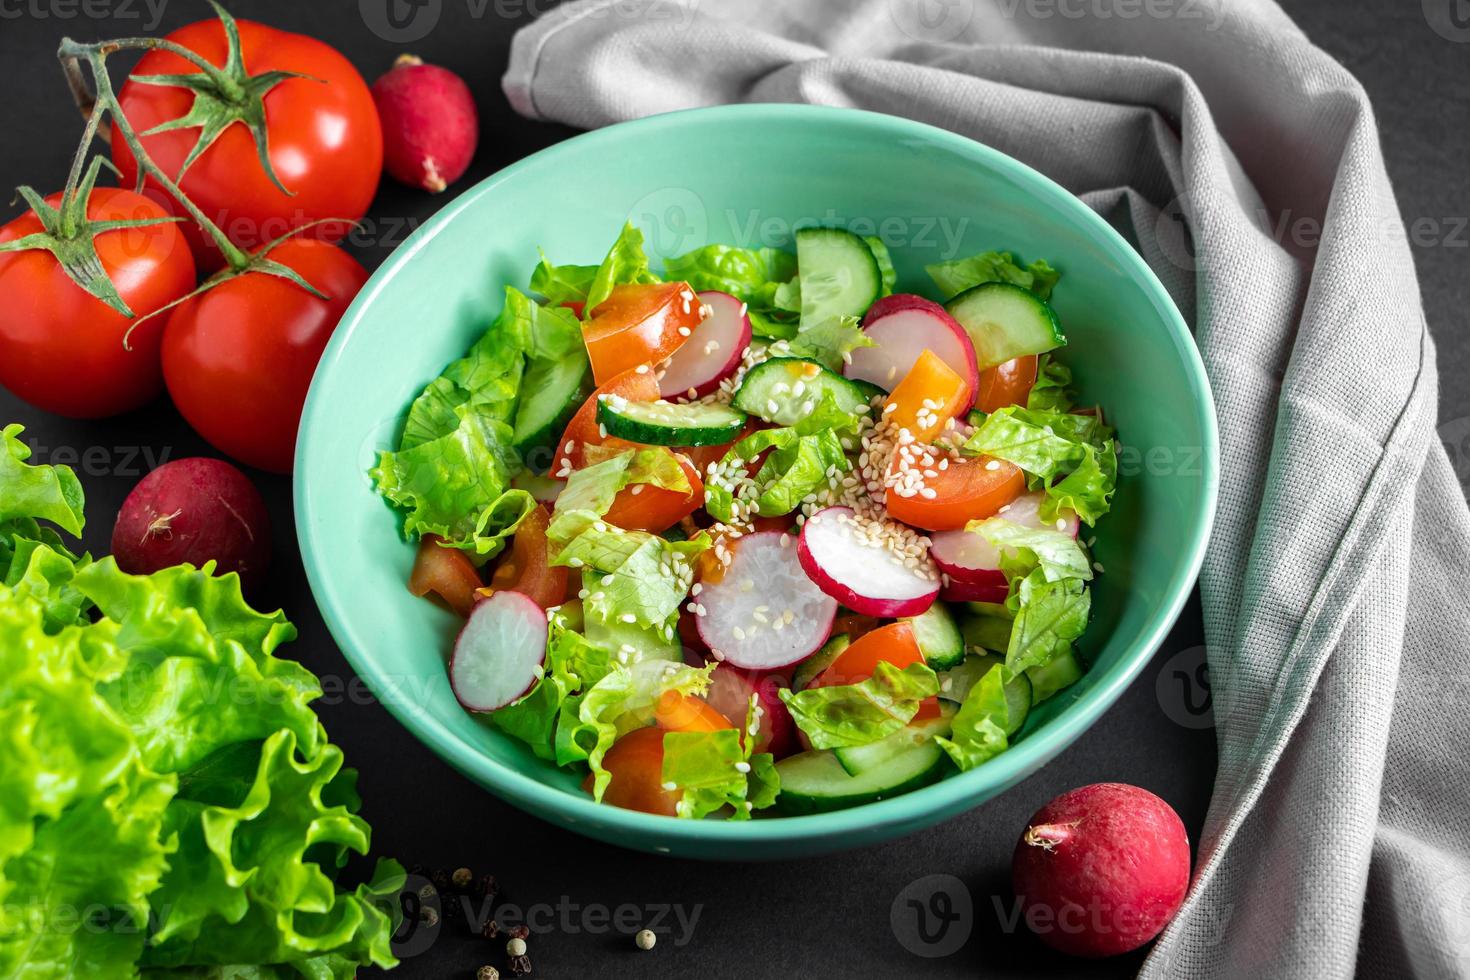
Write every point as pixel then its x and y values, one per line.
pixel 1335 585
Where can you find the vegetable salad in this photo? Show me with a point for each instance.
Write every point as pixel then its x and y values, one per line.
pixel 753 530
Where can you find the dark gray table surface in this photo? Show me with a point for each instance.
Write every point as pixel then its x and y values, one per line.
pixel 820 917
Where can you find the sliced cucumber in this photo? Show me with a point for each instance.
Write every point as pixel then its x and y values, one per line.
pixel 785 390
pixel 553 391
pixel 815 782
pixel 955 685
pixel 939 638
pixel 808 669
pixel 1049 678
pixel 858 759
pixel 997 609
pixel 987 632
pixel 840 275
pixel 1005 321
pixel 668 424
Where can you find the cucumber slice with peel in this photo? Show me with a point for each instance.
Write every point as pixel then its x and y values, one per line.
pixel 1051 677
pixel 1005 322
pixel 840 275
pixel 808 669
pixel 858 759
pixel 663 423
pixel 552 393
pixel 938 636
pixel 785 390
pixel 815 782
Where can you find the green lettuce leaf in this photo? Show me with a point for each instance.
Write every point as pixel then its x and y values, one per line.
pixel 718 769
pixel 1088 490
pixel 800 458
pixel 642 577
pixel 979 727
pixel 751 275
pixel 572 662
pixel 958 275
pixel 1049 393
pixel 830 341
pixel 1023 549
pixel 857 714
pixel 456 486
pixel 1049 616
pixel 625 263
pixel 562 283
pixel 592 488
pixel 1050 444
pixel 621 701
pixel 29 494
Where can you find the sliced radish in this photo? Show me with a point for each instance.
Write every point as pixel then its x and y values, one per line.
pixel 764 584
pixel 898 302
pixel 854 562
pixel 500 652
pixel 971 563
pixel 901 335
pixel 974 592
pixel 713 351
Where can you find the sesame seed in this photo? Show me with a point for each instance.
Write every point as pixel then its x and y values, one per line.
pixel 684 331
pixel 742 767
pixel 641 369
pixel 628 618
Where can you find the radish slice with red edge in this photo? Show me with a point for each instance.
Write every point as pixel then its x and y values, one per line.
pixel 901 335
pixel 972 564
pixel 899 302
pixel 975 592
pixel 500 652
pixel 713 351
pixel 859 563
pixel 763 585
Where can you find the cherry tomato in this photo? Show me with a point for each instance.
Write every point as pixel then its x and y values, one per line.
pixel 61 349
pixel 526 568
pixel 326 144
pixel 642 507
pixel 239 358
pixel 639 324
pixel 583 431
pixel 636 763
pixel 895 644
pixel 446 573
pixel 967 490
pixel 679 712
pixel 1006 384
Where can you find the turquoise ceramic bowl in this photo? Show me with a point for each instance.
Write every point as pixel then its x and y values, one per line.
pixel 747 175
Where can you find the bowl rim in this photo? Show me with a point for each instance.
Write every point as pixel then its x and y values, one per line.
pixel 948 796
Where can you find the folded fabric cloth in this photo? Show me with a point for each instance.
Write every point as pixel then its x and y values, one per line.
pixel 1334 588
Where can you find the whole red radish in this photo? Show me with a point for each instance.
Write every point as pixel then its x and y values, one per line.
pixel 194 510
pixel 1101 870
pixel 430 125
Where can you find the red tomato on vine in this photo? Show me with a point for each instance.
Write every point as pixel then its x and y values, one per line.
pixel 279 98
pixel 61 344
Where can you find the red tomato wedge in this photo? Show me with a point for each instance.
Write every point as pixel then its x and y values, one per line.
pixel 636 763
pixel 1006 384
pixel 894 644
pixel 640 323
pixel 527 567
pixel 968 489
pixel 446 573
pixel 642 507
pixel 582 431
pixel 930 395
pixel 678 712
